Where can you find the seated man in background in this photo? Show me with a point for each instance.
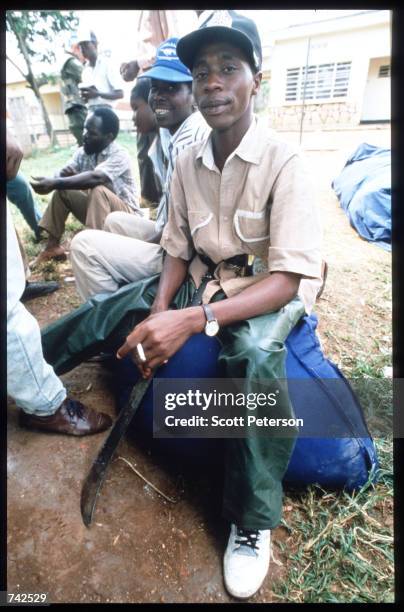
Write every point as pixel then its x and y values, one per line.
pixel 102 261
pixel 97 181
pixel 146 126
pixel 31 381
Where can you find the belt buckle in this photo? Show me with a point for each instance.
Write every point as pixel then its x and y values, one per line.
pixel 238 270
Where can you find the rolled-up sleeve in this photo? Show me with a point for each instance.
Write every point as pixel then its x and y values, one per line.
pixel 295 231
pixel 176 239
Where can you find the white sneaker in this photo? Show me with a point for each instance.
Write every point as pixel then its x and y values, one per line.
pixel 246 561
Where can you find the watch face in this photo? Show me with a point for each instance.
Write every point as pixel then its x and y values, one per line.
pixel 211 328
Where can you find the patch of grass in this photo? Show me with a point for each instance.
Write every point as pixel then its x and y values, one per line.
pixel 72 226
pixel 371 367
pixel 339 546
pixel 49 270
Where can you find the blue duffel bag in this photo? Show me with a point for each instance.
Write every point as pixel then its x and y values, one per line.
pixel 341 462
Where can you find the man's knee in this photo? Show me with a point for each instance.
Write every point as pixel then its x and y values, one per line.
pixel 100 191
pixel 247 345
pixel 114 221
pixel 80 243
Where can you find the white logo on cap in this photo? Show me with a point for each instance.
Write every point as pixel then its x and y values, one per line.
pixel 168 53
pixel 220 18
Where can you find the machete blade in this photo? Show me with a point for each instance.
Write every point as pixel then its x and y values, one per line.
pixel 96 476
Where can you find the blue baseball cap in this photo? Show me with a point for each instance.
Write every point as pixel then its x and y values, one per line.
pixel 167 66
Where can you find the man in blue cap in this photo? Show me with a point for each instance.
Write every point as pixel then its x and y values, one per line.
pixel 129 249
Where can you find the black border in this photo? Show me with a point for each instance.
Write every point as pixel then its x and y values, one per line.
pixel 397 232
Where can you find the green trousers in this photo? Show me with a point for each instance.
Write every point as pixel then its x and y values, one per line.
pixel 251 350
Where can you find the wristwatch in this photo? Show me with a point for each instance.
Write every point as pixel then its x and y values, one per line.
pixel 212 326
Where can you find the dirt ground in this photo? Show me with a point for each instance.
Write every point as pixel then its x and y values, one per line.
pixel 140 547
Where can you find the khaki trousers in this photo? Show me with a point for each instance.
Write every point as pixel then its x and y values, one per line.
pixel 126 251
pixel 90 207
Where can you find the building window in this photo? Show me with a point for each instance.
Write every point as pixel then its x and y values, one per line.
pixel 323 81
pixel 384 71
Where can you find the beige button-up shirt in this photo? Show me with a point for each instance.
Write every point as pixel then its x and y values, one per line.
pixel 260 204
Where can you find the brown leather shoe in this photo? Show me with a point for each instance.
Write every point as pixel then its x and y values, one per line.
pixel 72 418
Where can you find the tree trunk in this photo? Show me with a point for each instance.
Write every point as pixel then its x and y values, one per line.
pixel 32 82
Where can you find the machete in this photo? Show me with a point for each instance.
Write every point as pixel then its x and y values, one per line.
pixel 97 473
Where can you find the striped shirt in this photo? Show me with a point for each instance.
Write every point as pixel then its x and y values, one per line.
pixel 115 163
pixel 194 129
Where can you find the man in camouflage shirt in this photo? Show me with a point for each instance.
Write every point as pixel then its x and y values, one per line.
pixel 74 106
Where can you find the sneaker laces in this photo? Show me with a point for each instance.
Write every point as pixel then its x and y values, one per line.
pixel 74 408
pixel 247 539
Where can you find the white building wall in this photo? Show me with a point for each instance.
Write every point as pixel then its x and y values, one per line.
pixel 358 46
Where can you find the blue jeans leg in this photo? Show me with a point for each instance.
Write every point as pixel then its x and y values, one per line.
pixel 19 193
pixel 31 381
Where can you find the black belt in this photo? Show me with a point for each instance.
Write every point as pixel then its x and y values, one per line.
pixel 239 262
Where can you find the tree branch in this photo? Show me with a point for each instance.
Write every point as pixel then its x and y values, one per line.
pixel 15 65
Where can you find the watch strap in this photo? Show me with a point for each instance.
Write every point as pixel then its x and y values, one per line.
pixel 208 313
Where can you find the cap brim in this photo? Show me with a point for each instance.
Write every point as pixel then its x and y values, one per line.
pixel 166 74
pixel 188 46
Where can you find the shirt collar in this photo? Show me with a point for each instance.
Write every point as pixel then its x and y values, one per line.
pixel 104 153
pixel 250 149
pixel 184 125
pixel 109 149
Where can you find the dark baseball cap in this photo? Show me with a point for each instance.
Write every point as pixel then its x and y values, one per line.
pixel 223 26
pixel 167 66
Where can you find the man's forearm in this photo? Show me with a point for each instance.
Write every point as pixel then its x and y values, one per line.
pixel 264 296
pixel 84 180
pixel 114 95
pixel 172 276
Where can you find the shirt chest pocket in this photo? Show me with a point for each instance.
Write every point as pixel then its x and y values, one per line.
pixel 199 220
pixel 252 226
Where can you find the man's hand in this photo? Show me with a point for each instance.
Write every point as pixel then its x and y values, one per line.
pixel 129 70
pixel 68 171
pixel 161 336
pixel 42 185
pixel 14 156
pixel 89 92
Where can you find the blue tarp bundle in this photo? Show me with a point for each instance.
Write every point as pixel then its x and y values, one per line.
pixel 364 191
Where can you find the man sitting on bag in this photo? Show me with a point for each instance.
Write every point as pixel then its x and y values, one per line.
pixel 240 193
